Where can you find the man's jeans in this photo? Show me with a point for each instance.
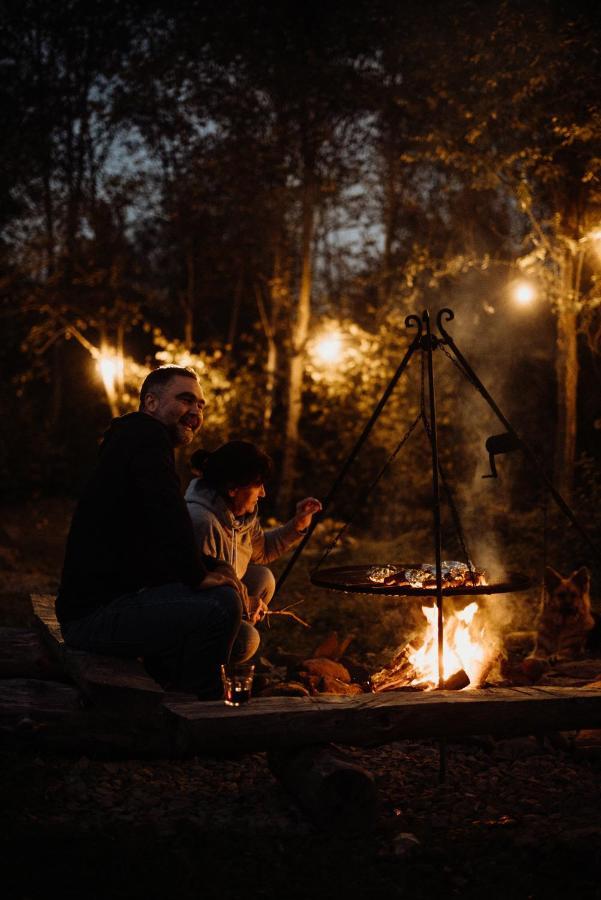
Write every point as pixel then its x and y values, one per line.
pixel 183 634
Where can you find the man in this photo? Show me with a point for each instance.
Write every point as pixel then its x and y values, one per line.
pixel 133 582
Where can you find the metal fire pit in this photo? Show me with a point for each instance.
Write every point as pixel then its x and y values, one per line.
pixel 355 580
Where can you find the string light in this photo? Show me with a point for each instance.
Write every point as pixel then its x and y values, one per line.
pixel 524 293
pixel 328 348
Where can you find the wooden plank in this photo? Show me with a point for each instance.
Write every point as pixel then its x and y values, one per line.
pixel 25 702
pixel 371 719
pixel 23 655
pixel 118 684
pixel 49 715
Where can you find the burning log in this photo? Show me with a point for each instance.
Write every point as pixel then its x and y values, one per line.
pixel 401 672
pixel 457 681
pixel 328 786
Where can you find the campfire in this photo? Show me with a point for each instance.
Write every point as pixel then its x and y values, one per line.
pixel 471 642
pixel 470 650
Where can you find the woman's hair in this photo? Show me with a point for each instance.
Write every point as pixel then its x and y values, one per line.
pixel 235 464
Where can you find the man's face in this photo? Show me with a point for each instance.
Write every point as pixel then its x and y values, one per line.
pixel 179 405
pixel 243 500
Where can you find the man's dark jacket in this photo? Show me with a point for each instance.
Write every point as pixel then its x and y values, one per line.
pixel 131 528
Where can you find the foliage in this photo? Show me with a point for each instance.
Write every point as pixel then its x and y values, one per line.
pixel 192 173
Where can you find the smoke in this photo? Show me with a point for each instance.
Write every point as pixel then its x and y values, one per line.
pixel 484 504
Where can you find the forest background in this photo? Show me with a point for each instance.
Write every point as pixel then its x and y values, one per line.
pixel 265 191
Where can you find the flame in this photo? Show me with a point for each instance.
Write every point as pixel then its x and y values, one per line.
pixel 468 645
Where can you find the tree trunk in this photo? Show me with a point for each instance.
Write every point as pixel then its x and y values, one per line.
pixel 189 302
pixel 390 221
pixel 566 369
pixel 300 330
pixel 278 291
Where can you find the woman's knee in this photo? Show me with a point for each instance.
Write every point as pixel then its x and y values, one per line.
pixel 260 582
pixel 246 644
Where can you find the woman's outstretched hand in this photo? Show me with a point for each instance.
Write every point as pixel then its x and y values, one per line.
pixel 305 510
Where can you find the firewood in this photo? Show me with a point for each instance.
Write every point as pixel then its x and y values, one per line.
pixel 457 681
pixel 312 682
pixel 329 787
pixel 332 647
pixel 392 678
pixel 359 674
pixel 328 648
pixel 323 667
pixel 331 685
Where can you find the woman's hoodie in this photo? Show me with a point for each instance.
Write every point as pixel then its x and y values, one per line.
pixel 236 541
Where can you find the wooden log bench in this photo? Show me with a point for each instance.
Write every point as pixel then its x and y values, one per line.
pixel 272 723
pixel 121 685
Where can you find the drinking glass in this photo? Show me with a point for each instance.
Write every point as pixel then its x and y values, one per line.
pixel 237 679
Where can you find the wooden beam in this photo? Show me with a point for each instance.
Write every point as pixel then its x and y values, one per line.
pixel 118 684
pixel 268 723
pixel 49 716
pixel 24 655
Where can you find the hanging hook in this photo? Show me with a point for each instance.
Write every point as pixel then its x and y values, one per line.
pixel 500 443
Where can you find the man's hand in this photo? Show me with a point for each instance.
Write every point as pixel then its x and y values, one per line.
pixel 305 510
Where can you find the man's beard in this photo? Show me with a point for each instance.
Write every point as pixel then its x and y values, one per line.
pixel 180 435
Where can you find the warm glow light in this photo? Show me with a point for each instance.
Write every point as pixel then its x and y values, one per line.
pixel 328 349
pixel 467 646
pixel 594 235
pixel 110 366
pixel 594 238
pixel 524 293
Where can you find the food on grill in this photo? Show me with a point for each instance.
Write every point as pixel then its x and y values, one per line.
pixel 454 574
pixel 379 574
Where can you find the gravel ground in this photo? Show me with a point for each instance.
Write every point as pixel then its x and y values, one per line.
pixel 513 819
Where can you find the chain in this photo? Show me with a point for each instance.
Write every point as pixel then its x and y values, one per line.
pixel 459 367
pixel 451 502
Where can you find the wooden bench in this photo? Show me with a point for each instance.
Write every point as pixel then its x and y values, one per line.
pixel 121 685
pixel 273 723
pixel 370 719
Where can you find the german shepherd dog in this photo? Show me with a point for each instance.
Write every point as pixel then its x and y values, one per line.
pixel 565 618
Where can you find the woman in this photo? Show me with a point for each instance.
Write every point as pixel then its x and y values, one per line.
pixel 222 503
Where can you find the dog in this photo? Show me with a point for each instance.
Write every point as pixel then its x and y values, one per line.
pixel 565 619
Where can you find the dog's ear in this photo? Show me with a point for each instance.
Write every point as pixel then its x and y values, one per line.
pixel 582 579
pixel 552 579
